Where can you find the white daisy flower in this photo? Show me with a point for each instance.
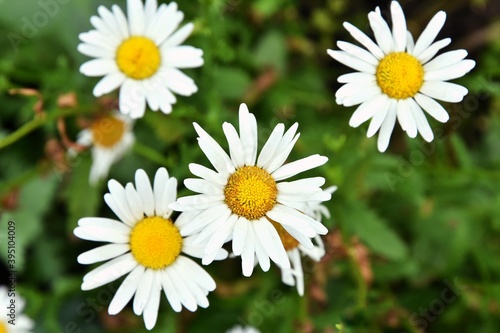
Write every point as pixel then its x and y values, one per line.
pixel 13 320
pixel 147 245
pixel 294 276
pixel 142 55
pixel 243 329
pixel 110 137
pixel 397 78
pixel 238 200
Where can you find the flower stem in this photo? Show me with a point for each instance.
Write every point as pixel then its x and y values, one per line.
pixel 35 123
pixel 150 154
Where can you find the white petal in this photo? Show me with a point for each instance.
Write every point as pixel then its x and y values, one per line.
pixel 159 184
pixel 219 238
pixel 235 146
pixel 206 217
pixel 102 253
pixel 432 50
pixel 353 62
pixel 110 271
pixel 382 32
pixel 410 44
pixel 269 148
pixel 387 127
pixel 202 186
pixel 432 107
pixel 301 186
pixel 451 72
pixel 297 268
pixel 248 134
pixel 126 290
pixel 422 124
pixel 120 199
pixel 136 17
pixel 150 8
pixel 143 291
pixel 134 202
pixel 95 51
pixel 248 253
pixel 165 22
pixel 429 34
pixel 368 94
pixel 406 119
pixel 445 60
pixel 357 77
pixel 368 109
pixel 170 291
pixel 295 218
pixel 296 167
pixel 102 234
pixel 179 36
pixel 398 27
pixel 378 118
pixel 207 174
pixel 282 215
pixel 121 20
pixel 358 52
pixel 183 57
pixel 364 39
pixel 180 83
pixel 94 37
pixel 215 154
pixel 239 235
pixel 108 83
pixel 281 156
pixel 185 295
pixel 444 91
pixel 132 99
pixel 280 256
pixel 198 274
pixel 261 253
pixel 145 192
pixel 99 67
pixel 153 302
pixel 109 19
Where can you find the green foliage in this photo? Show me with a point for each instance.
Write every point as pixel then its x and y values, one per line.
pixel 410 229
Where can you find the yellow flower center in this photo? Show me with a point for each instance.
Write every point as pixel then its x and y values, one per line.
pixel 400 75
pixel 250 192
pixel 3 327
pixel 107 131
pixel 289 243
pixel 138 57
pixel 155 242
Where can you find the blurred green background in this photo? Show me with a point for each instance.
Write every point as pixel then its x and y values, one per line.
pixel 414 240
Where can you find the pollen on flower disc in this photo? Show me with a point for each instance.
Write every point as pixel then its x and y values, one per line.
pixel 138 57
pixel 155 242
pixel 250 192
pixel 107 131
pixel 400 75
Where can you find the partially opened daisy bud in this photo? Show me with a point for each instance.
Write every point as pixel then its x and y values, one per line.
pixel 239 200
pixel 294 276
pixel 110 137
pixel 143 55
pixel 147 246
pixel 397 78
pixel 13 320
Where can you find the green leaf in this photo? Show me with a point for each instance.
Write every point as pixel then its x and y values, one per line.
pixel 34 200
pixel 231 82
pixel 271 51
pixel 82 199
pixel 375 233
